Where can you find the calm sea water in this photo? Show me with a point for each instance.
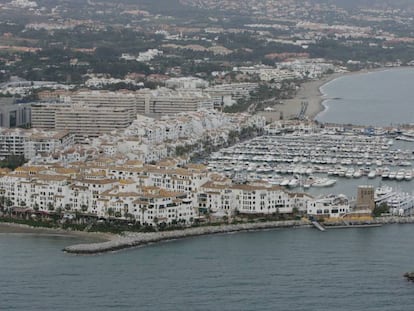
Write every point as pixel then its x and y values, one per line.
pixel 375 98
pixel 291 269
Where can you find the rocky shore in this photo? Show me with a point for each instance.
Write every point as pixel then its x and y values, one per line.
pixel 133 239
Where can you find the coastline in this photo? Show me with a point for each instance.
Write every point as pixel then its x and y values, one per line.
pixel 14 228
pixel 310 92
pixel 134 239
pixel 99 243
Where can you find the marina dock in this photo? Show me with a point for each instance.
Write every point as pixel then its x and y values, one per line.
pixel 301 158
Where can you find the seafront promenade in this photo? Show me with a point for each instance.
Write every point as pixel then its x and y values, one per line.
pixel 133 239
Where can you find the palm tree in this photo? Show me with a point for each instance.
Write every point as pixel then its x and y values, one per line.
pixel 9 202
pixel 110 211
pixel 50 206
pixel 2 202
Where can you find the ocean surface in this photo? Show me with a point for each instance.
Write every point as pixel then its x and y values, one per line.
pixel 376 98
pixel 290 269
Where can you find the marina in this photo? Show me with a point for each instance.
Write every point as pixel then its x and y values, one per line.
pixel 315 156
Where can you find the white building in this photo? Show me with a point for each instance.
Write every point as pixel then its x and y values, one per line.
pixel 186 83
pixel 226 198
pixel 329 206
pixel 30 143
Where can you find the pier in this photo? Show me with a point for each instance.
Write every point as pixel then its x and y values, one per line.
pixel 317 225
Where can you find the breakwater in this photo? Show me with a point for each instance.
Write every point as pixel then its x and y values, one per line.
pixel 133 239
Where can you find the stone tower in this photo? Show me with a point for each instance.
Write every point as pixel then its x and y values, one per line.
pixel 365 198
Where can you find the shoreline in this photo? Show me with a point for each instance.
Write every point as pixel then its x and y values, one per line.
pixel 105 242
pixel 136 239
pixel 133 239
pixel 15 228
pixel 310 91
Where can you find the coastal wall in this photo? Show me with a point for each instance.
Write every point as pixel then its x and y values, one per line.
pixel 133 239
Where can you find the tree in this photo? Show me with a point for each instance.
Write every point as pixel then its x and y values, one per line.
pixel 380 209
pixel 110 211
pixel 84 208
pixel 50 206
pixel 2 202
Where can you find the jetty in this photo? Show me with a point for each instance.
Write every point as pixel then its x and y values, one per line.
pixel 134 239
pixel 317 225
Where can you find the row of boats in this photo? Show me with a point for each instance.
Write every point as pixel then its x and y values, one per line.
pixel 399 203
pixel 346 156
pixel 385 173
pixel 318 149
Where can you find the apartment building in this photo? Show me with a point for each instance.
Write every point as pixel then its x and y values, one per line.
pixel 30 143
pixel 44 114
pixel 165 101
pixel 228 198
pixel 87 121
pixel 13 114
pixel 127 100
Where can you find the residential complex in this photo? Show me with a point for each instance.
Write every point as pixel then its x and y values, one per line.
pixel 148 194
pixel 30 143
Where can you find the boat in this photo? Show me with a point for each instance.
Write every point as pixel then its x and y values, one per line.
pixel 350 173
pixel 382 193
pixel 293 183
pixel 323 182
pixel 357 174
pixel 400 175
pixel 405 138
pixel 372 174
pixel 401 203
pixel 284 182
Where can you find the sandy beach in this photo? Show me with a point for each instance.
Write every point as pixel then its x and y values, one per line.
pixel 11 228
pixel 308 92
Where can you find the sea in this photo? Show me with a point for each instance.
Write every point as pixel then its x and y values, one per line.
pixel 377 98
pixel 290 269
pixel 287 269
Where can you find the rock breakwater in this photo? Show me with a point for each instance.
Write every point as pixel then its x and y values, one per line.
pixel 133 239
